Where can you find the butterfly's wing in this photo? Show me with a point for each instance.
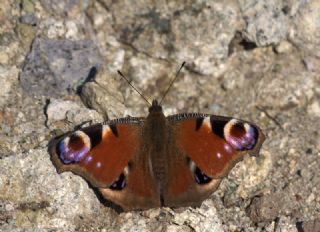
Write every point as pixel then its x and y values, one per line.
pixel 105 154
pixel 204 149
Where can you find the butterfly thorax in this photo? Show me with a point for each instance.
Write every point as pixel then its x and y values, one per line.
pixel 156 127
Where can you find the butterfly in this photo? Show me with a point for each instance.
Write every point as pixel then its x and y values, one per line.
pixel 142 163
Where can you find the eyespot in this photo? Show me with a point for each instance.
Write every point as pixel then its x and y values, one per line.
pixel 73 148
pixel 241 136
pixel 119 184
pixel 199 176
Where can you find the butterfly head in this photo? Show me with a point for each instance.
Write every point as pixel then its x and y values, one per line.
pixel 155 107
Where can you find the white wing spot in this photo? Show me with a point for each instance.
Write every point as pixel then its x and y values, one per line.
pixel 105 131
pixel 98 165
pixel 207 122
pixel 192 166
pixel 247 127
pixel 227 148
pixel 66 141
pixel 126 171
pixel 219 155
pixel 89 159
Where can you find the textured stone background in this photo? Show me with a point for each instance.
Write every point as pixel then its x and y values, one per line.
pixel 253 59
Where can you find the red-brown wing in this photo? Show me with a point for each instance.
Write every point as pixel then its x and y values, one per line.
pixel 211 145
pixel 109 157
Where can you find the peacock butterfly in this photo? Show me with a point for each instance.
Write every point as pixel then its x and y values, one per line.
pixel 142 163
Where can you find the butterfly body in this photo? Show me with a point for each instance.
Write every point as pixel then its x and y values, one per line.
pixel 142 163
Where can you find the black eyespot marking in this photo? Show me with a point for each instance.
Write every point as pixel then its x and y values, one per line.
pixel 217 127
pixel 119 184
pixel 114 129
pixel 94 133
pixel 199 122
pixel 200 177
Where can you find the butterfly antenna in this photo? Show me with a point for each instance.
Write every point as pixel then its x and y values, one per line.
pixel 171 83
pixel 143 97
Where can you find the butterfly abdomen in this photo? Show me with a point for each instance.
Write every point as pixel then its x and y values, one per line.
pixel 156 132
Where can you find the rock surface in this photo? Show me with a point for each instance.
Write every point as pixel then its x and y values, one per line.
pixel 57 67
pixel 256 60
